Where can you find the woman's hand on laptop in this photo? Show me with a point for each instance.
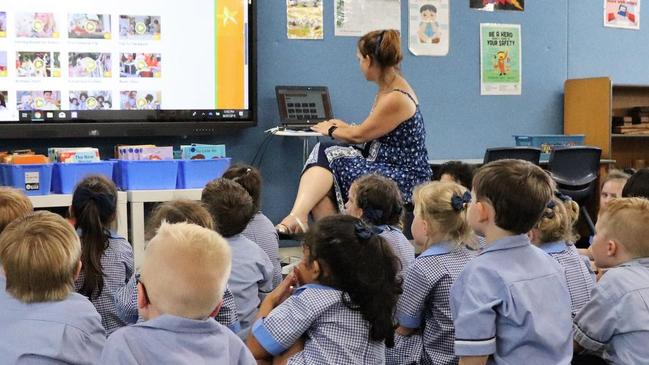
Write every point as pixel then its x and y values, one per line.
pixel 323 127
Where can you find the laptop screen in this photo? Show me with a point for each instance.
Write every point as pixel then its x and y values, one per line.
pixel 303 104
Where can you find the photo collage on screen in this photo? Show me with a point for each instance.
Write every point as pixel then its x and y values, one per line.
pixel 80 61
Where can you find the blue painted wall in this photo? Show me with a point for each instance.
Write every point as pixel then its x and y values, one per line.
pixel 564 39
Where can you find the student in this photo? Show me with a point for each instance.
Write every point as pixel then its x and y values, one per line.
pixel 511 302
pixel 42 319
pixel 554 234
pixel 180 287
pixel 342 313
pixel 440 229
pixel 377 200
pixel 175 211
pixel 106 257
pixel 13 204
pixel 455 171
pixel 612 187
pixel 260 229
pixel 231 208
pixel 637 185
pixel 615 323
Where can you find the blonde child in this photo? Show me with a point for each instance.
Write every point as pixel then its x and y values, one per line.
pixel 342 313
pixel 425 334
pixel 175 211
pixel 13 204
pixel 260 229
pixel 42 319
pixel 180 287
pixel 377 201
pixel 231 208
pixel 106 257
pixel 615 323
pixel 554 234
pixel 511 302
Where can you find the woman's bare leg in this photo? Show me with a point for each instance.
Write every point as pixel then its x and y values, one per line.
pixel 315 183
pixel 324 208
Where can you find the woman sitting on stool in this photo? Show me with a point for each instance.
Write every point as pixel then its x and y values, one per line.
pixel 393 138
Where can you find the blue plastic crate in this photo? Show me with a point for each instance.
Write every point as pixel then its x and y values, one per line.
pixel 195 174
pixel 31 179
pixel 146 175
pixel 65 176
pixel 548 142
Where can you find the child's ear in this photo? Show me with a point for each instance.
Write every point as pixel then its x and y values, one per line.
pixel 316 269
pixel 78 272
pixel 612 248
pixel 483 209
pixel 142 298
pixel 217 309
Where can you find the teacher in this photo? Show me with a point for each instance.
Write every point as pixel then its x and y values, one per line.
pixel 391 141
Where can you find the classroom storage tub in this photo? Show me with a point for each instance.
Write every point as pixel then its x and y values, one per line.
pixel 194 174
pixel 32 179
pixel 65 176
pixel 146 175
pixel 548 142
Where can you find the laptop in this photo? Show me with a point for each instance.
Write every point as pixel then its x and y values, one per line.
pixel 300 107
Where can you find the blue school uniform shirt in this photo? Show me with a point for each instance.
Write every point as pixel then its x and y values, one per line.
pixel 118 267
pixel 169 339
pixel 402 248
pixel 512 302
pixel 425 304
pixel 615 323
pixel 67 331
pixel 126 305
pixel 251 278
pixel 334 333
pixel 261 231
pixel 578 277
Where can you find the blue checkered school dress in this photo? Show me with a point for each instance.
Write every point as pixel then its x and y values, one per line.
pixel 399 155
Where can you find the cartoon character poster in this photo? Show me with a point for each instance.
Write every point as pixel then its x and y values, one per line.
pixel 622 14
pixel 491 5
pixel 500 59
pixel 428 27
pixel 304 19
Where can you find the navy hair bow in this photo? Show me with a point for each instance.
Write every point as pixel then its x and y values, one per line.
pixel 105 202
pixel 563 197
pixel 458 202
pixel 373 214
pixel 365 232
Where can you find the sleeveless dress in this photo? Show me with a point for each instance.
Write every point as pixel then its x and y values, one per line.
pixel 399 155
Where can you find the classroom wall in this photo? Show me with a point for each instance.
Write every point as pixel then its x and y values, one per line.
pixel 621 54
pixel 558 41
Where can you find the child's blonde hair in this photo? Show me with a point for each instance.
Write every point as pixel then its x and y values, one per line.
pixel 177 211
pixel 443 206
pixel 558 220
pixel 13 204
pixel 185 270
pixel 40 255
pixel 626 222
pixel 617 175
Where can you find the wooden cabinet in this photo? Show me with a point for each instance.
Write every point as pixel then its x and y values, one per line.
pixel 589 106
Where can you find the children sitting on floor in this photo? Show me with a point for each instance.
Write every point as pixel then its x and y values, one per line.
pixel 180 287
pixel 231 208
pixel 42 319
pixel 260 229
pixel 175 211
pixel 614 325
pixel 511 302
pixel 425 334
pixel 554 234
pixel 377 201
pixel 107 259
pixel 343 311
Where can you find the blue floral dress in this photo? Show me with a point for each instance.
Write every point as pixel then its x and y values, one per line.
pixel 399 155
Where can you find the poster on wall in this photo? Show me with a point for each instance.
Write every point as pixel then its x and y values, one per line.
pixel 491 5
pixel 500 59
pixel 428 27
pixel 354 18
pixel 304 19
pixel 622 14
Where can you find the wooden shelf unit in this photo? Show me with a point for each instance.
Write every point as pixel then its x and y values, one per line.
pixel 589 106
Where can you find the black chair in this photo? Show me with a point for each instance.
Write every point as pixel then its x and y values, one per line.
pixel 574 169
pixel 530 154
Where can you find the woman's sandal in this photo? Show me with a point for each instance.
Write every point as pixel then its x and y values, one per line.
pixel 284 231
